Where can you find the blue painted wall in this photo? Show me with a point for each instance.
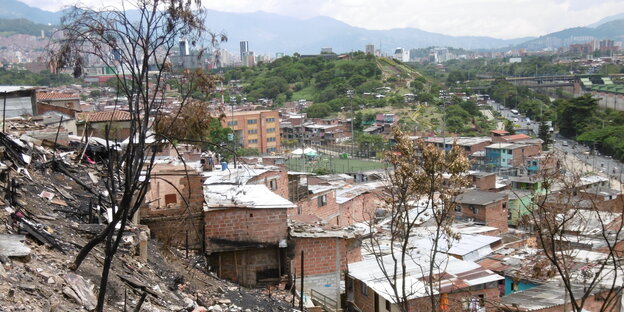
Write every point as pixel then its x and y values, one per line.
pixel 522 285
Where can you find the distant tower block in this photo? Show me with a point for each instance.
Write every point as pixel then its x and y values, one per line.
pixel 370 49
pixel 184 48
pixel 244 48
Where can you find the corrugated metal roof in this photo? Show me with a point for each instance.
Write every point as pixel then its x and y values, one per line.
pixel 240 175
pixel 456 274
pixel 9 89
pixel 256 196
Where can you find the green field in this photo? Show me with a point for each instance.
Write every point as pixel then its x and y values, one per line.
pixel 333 165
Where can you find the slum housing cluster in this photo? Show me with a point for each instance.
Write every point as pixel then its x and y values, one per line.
pixel 261 225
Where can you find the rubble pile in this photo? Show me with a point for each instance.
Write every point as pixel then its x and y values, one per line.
pixel 51 206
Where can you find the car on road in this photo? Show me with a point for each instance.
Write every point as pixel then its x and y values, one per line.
pixel 564 143
pixel 515 112
pixel 515 119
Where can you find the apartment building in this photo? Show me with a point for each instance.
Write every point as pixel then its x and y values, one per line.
pixel 255 129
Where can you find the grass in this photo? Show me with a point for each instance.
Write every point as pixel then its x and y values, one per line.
pixel 333 165
pixel 304 94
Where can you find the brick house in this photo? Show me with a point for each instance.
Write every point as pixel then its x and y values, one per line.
pixel 358 203
pixel 510 155
pixel 245 226
pixel 95 124
pixel 488 208
pixel 66 104
pixel 274 177
pixel 327 252
pixel 318 203
pixel 483 181
pixel 460 284
pixel 165 210
pixel 470 145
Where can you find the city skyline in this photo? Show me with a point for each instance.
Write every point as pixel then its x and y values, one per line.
pixel 514 19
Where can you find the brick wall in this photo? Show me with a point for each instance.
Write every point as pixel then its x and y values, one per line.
pixel 366 302
pixel 236 228
pixel 310 207
pixel 359 209
pixel 494 214
pixel 170 223
pixel 169 191
pixel 172 230
pixel 485 182
pixel 45 107
pixel 520 155
pixel 244 266
pixel 320 254
pixel 281 178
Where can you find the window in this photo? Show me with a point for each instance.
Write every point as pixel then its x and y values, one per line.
pixel 252 121
pixel 170 199
pixel 388 305
pixel 458 208
pixel 272 139
pixel 253 141
pixel 322 200
pixel 273 184
pixel 474 209
pixel 272 119
pixel 363 289
pixel 269 130
pixel 232 123
pixel 252 131
pixel 271 149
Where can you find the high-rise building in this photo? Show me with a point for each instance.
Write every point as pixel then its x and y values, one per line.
pixel 255 129
pixel 326 51
pixel 370 49
pixel 184 48
pixel 244 48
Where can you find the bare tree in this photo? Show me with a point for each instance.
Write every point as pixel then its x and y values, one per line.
pixel 565 223
pixel 423 183
pixel 136 39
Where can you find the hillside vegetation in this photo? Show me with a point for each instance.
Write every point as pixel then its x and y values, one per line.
pixel 10 27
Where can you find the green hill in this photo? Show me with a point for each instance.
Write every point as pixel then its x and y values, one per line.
pixel 22 26
pixel 376 82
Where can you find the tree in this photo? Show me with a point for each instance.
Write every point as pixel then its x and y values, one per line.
pixel 544 134
pixel 577 115
pixel 138 46
pixel 509 127
pixel 318 110
pixel 563 221
pixel 417 175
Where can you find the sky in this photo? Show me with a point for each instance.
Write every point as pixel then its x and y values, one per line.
pixel 503 19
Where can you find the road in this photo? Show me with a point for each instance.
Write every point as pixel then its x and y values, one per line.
pixel 604 165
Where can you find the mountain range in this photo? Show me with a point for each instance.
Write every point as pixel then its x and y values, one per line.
pixel 268 33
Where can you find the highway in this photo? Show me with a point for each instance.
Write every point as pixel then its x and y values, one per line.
pixel 605 165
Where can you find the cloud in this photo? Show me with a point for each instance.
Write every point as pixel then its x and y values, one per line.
pixel 494 18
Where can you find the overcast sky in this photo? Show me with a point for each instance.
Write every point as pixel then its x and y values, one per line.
pixel 495 18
